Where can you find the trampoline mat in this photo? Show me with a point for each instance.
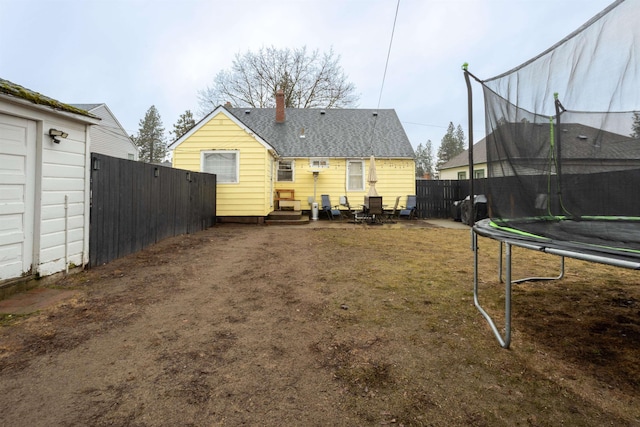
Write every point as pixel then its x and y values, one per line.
pixel 606 237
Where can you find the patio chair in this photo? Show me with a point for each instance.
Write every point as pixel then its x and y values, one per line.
pixel 392 215
pixel 376 210
pixel 350 211
pixel 332 211
pixel 409 210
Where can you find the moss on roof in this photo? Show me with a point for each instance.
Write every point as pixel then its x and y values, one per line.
pixel 18 91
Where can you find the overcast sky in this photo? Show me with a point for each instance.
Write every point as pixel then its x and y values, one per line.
pixel 131 54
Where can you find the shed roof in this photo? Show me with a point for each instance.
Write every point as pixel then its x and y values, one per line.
pixel 20 92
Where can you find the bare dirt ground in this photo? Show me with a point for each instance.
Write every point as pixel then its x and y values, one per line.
pixel 273 326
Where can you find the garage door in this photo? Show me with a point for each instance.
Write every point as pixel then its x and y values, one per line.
pixel 17 183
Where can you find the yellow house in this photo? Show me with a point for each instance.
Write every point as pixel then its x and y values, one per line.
pixel 258 152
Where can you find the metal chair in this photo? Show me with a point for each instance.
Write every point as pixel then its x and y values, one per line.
pixel 351 212
pixel 392 215
pixel 330 210
pixel 376 210
pixel 410 209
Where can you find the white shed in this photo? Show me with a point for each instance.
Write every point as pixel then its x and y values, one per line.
pixel 44 184
pixel 109 137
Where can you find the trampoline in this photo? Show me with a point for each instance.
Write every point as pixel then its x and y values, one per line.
pixel 563 152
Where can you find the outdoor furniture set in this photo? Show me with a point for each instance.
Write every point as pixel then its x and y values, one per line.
pixel 371 211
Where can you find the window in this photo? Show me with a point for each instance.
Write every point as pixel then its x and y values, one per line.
pixel 319 163
pixel 355 175
pixel 462 175
pixel 131 156
pixel 478 173
pixel 285 170
pixel 225 164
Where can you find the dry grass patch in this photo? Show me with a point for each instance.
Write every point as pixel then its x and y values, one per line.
pixel 433 357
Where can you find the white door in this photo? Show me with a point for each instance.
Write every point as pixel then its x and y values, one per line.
pixel 17 195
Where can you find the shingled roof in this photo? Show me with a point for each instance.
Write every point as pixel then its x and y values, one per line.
pixel 20 92
pixel 462 159
pixel 329 132
pixel 579 142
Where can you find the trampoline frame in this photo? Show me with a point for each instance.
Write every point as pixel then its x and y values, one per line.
pixel 482 228
pixel 509 239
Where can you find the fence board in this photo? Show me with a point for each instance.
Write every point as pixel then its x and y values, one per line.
pixel 134 205
pixel 434 198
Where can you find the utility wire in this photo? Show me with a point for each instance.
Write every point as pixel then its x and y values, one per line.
pixel 384 75
pixel 386 65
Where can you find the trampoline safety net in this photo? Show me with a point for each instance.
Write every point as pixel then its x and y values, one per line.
pixel 563 136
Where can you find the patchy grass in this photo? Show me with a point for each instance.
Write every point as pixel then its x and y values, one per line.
pixel 412 333
pixel 358 326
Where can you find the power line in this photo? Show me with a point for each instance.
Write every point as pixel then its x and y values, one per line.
pixel 386 65
pixel 384 75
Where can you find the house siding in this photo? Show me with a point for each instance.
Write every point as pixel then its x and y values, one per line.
pixel 64 170
pixel 109 138
pixel 396 177
pixel 60 236
pixel 453 172
pixel 251 196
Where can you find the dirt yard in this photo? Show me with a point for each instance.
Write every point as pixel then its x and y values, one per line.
pixel 293 326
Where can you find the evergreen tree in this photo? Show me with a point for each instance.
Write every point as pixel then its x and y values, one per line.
pixel 451 145
pixel 635 126
pixel 424 160
pixel 184 123
pixel 150 139
pixel 460 139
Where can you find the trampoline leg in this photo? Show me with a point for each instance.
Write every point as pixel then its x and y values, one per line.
pixel 506 340
pixel 529 279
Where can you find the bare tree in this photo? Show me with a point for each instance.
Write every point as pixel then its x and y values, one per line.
pixel 309 80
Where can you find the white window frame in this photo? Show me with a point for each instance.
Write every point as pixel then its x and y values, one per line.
pixel 360 186
pixel 478 174
pixel 319 163
pixel 292 170
pixel 204 153
pixel 462 175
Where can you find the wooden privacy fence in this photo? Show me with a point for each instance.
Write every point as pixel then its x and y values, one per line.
pixel 135 204
pixel 435 197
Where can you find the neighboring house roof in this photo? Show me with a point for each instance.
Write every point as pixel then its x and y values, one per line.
pixel 327 132
pixel 20 92
pixel 579 142
pixel 462 159
pixel 87 107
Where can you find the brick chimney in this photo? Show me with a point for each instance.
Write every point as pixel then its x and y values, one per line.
pixel 279 106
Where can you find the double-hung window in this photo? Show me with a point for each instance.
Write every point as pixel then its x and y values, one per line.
pixel 285 170
pixel 355 175
pixel 225 164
